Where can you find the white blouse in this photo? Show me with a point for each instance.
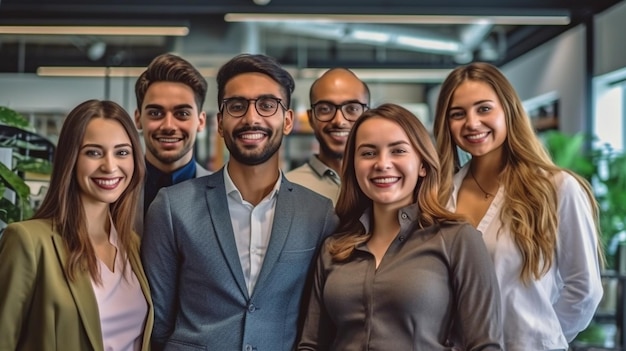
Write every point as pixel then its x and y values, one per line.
pixel 547 313
pixel 123 307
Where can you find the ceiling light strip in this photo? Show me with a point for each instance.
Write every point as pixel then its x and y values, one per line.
pixel 96 30
pixel 397 19
pixel 101 71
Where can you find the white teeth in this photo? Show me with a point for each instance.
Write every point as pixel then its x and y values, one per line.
pixel 477 136
pixel 339 134
pixel 168 140
pixel 254 136
pixel 385 180
pixel 107 182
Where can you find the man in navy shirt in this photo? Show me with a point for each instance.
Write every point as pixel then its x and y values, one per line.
pixel 170 94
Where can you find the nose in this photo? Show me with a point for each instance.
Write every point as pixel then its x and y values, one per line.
pixel 251 116
pixel 109 164
pixel 338 118
pixel 383 162
pixel 472 120
pixel 168 122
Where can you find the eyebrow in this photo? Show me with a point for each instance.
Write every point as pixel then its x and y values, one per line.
pixel 341 103
pixel 100 146
pixel 254 98
pixel 159 107
pixel 395 143
pixel 474 104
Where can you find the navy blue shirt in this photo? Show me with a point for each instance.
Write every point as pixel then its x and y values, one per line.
pixel 157 179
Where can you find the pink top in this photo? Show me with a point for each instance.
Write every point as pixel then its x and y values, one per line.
pixel 121 303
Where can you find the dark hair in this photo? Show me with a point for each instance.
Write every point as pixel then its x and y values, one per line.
pixel 171 68
pixel 248 63
pixel 353 202
pixel 366 88
pixel 63 204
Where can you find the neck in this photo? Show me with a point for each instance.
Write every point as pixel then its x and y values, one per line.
pixel 97 222
pixel 385 220
pixel 168 167
pixel 253 182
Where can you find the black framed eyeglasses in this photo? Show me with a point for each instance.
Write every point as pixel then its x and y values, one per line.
pixel 265 106
pixel 325 111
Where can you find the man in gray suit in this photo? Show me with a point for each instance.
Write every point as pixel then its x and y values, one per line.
pixel 229 256
pixel 170 94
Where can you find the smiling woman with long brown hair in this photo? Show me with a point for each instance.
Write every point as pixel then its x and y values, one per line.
pixel 72 275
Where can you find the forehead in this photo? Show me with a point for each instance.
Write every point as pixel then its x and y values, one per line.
pixel 473 90
pixel 338 86
pixel 165 93
pixel 105 131
pixel 252 85
pixel 379 130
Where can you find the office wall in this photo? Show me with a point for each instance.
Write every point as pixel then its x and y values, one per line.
pixel 610 46
pixel 555 67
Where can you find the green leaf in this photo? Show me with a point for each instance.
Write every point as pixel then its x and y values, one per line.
pixel 11 118
pixel 14 182
pixel 34 165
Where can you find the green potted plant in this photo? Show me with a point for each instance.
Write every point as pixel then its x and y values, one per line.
pixel 26 152
pixel 605 168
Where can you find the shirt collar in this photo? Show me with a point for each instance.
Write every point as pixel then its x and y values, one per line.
pixel 185 172
pixel 406 216
pixel 322 170
pixel 231 188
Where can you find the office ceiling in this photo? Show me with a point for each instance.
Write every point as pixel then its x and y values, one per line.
pixel 212 40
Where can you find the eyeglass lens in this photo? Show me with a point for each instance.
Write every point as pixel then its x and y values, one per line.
pixel 265 106
pixel 326 111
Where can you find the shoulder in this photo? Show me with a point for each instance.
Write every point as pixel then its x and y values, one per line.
pixel 201 171
pixel 34 227
pixel 303 172
pixel 32 233
pixel 304 192
pixel 456 232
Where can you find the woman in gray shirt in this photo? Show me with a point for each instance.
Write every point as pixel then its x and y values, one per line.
pixel 401 272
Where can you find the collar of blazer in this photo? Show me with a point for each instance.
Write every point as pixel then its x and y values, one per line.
pixel 84 298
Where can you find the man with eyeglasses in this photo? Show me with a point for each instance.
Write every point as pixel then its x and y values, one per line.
pixel 230 254
pixel 338 98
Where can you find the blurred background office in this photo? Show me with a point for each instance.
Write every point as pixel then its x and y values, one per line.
pixel 566 59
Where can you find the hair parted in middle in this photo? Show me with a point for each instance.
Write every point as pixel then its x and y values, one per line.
pixel 527 173
pixel 353 202
pixel 62 203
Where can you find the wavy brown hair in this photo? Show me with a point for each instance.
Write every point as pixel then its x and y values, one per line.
pixel 530 208
pixel 352 202
pixel 63 204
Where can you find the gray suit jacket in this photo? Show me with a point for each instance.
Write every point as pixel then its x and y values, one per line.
pixel 200 297
pixel 139 225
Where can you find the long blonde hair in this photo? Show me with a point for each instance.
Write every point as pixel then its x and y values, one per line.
pixel 530 207
pixel 352 202
pixel 63 204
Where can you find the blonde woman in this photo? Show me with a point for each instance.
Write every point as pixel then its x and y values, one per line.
pixel 539 221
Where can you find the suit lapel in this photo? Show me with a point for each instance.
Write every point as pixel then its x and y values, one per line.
pixel 283 216
pixel 84 298
pixel 217 203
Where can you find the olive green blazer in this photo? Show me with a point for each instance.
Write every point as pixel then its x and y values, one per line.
pixel 40 308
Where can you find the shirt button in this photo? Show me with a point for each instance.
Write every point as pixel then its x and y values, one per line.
pixel 401 238
pixel 404 215
pixel 251 308
pixel 249 347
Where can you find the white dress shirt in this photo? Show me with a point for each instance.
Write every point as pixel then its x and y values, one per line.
pixel 252 226
pixel 548 313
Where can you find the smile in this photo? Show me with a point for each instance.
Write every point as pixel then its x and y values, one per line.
pixel 385 180
pixel 477 136
pixel 107 183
